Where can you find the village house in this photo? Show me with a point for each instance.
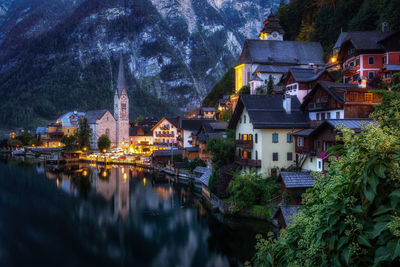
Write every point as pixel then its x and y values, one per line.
pixel 166 132
pixel 70 122
pixel 141 139
pixel 208 131
pixel 116 126
pixel 312 144
pixel 271 56
pixel 328 100
pixel 368 54
pixel 264 126
pixel 188 128
pixel 300 81
pixel 54 133
pixel 293 185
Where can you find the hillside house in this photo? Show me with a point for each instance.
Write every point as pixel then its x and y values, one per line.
pixel 166 132
pixel 264 126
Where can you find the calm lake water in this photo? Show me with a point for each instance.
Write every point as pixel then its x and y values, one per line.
pixel 91 216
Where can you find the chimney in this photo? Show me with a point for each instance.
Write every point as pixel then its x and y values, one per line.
pixel 287 103
pixel 385 27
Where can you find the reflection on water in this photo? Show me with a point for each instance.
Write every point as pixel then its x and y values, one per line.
pixel 114 216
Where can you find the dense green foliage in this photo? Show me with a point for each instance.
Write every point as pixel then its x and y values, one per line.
pixel 250 188
pixel 223 153
pixel 83 134
pixel 226 86
pixel 25 139
pixel 70 142
pixel 351 216
pixel 270 85
pixel 225 115
pixel 103 143
pixel 196 163
pixel 245 90
pixel 323 20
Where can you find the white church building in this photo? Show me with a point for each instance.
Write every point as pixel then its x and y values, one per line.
pixel 115 126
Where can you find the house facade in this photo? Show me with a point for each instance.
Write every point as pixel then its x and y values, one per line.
pixel 166 132
pixel 102 122
pixel 368 54
pixel 264 126
pixel 70 121
pixel 328 100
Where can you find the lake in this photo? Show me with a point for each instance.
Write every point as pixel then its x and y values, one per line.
pixel 116 216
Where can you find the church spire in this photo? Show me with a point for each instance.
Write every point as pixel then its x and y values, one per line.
pixel 121 85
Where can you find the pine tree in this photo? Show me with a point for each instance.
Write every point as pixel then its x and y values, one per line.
pixel 270 86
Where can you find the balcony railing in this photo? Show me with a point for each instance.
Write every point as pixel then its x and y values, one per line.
pixel 165 134
pixel 164 128
pixel 318 106
pixel 244 143
pixel 248 162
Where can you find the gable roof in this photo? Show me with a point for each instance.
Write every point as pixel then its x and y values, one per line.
pixel 336 90
pixel 363 40
pixel 297 179
pixel 193 124
pixel 71 119
pixel 281 52
pixel 353 124
pixel 94 115
pixel 173 120
pixel 288 212
pixel 267 112
pixel 133 131
pixel 273 69
pixel 306 74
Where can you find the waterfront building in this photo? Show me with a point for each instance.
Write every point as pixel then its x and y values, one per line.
pixel 70 121
pixel 372 55
pixel 54 133
pixel 141 139
pixel 264 126
pixel 166 132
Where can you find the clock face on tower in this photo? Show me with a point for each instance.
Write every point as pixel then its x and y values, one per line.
pixel 274 35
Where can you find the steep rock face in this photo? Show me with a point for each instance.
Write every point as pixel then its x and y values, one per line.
pixel 59 55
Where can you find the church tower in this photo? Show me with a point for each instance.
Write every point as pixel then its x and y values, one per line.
pixel 272 29
pixel 121 108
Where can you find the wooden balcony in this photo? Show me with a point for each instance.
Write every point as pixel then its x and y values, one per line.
pixel 248 162
pixel 247 144
pixel 318 106
pixel 165 134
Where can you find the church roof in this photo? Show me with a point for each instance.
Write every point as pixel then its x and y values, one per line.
pixel 280 53
pixel 94 115
pixel 121 85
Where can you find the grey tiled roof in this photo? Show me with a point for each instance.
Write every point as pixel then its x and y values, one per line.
pixel 217 126
pixel 306 74
pixel 204 173
pixel 354 124
pixel 192 149
pixel 193 124
pixel 166 153
pixel 392 67
pixel 266 111
pixel 273 69
pixel 94 115
pixel 288 211
pixel 208 109
pixel 256 78
pixel 306 132
pixel 297 179
pixel 281 52
pixel 133 131
pixel 362 40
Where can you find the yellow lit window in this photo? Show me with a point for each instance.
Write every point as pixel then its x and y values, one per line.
pixel 368 97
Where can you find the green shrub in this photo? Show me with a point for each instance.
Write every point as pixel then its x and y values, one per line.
pixel 261 212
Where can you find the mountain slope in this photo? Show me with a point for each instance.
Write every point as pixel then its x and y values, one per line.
pixel 60 55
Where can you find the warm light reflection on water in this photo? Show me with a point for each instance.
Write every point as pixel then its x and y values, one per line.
pixel 112 216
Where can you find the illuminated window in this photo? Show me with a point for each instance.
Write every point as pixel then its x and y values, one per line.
pixel 368 97
pixel 275 138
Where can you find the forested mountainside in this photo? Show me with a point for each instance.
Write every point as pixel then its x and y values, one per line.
pixel 62 55
pixel 323 20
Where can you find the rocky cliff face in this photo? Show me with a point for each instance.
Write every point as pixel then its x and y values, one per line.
pixel 59 55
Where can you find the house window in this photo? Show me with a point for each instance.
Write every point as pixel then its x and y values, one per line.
pixel 319 165
pixel 357 62
pixel 356 77
pixel 371 60
pixel 256 155
pixel 368 97
pixel 240 137
pixel 108 132
pixel 256 138
pixel 353 97
pixel 300 141
pixel 240 121
pixel 289 138
pixel 337 115
pixel 384 60
pixel 328 115
pixel 323 116
pixel 244 137
pixel 289 156
pixel 275 156
pixel 275 138
pixel 352 64
pixel 371 75
pixel 317 116
pixel 244 119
